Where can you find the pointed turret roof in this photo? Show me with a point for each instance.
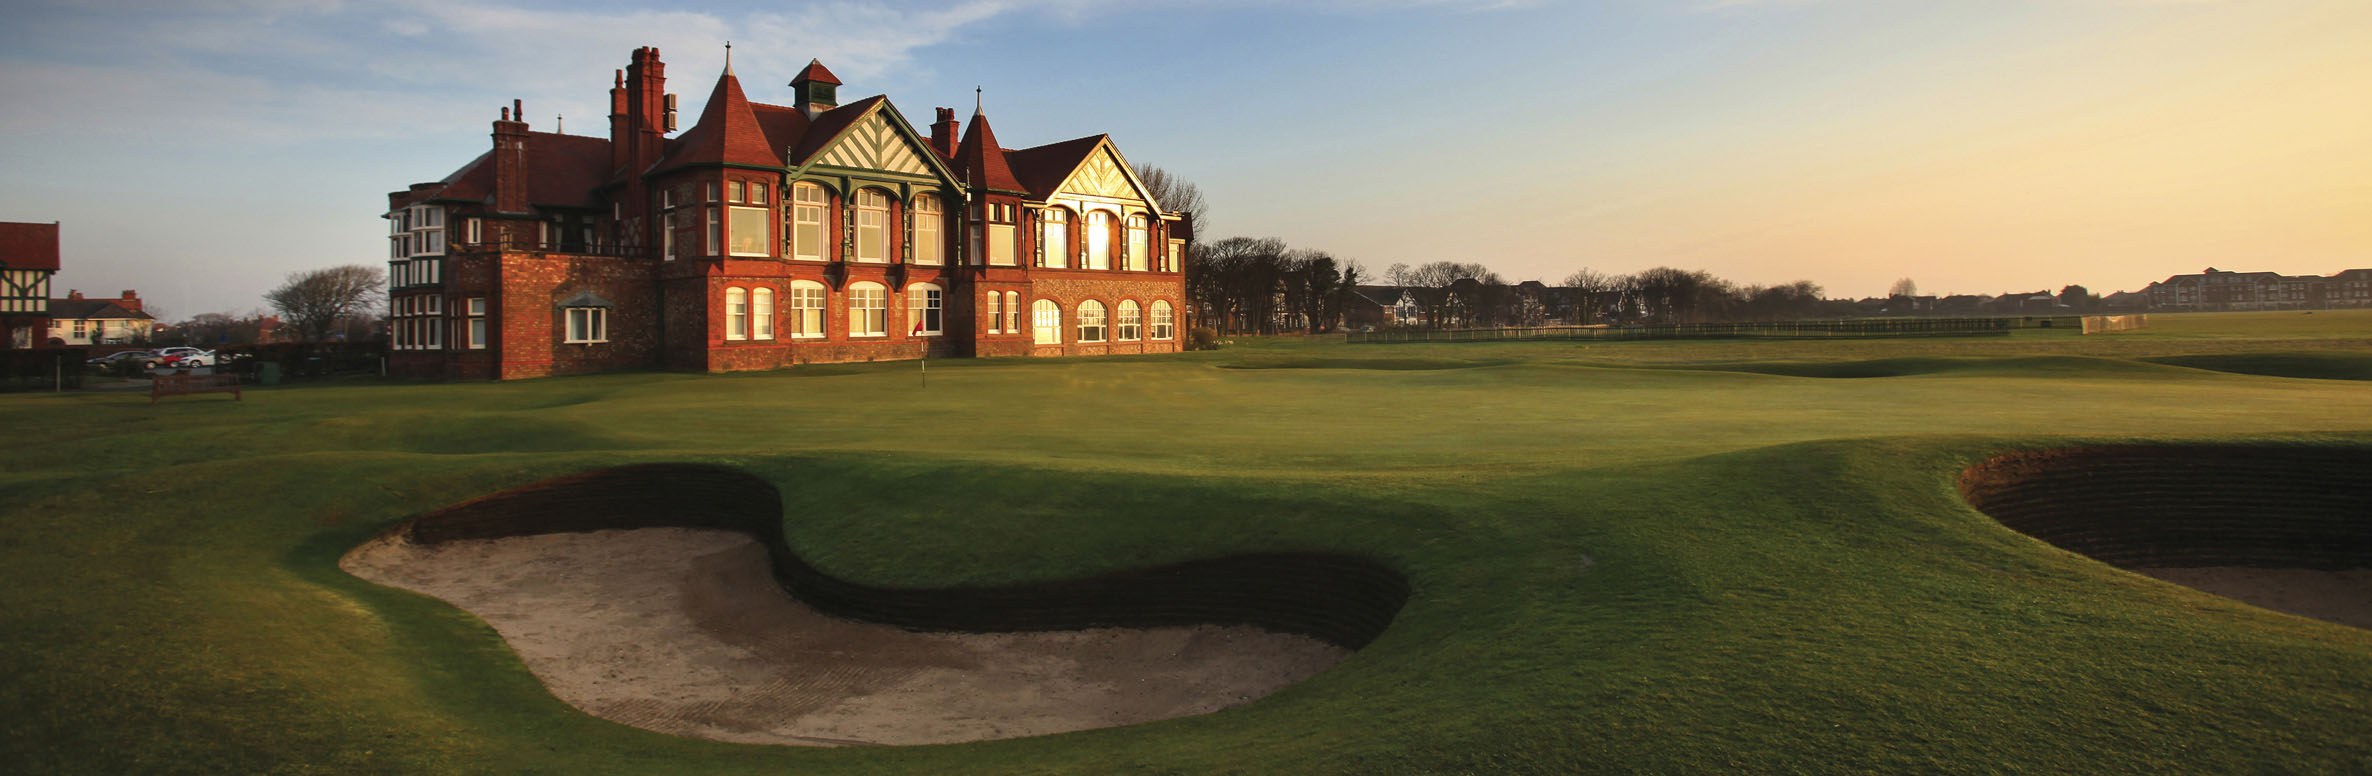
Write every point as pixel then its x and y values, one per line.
pixel 981 161
pixel 816 72
pixel 728 132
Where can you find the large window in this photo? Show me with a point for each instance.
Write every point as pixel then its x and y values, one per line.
pixel 761 307
pixel 1004 240
pixel 996 312
pixel 872 225
pixel 587 324
pixel 922 308
pixel 1056 245
pixel 736 312
pixel 753 230
pixel 807 309
pixel 929 247
pixel 808 205
pixel 1099 239
pixel 868 310
pixel 1131 321
pixel 1012 312
pixel 1091 321
pixel 1162 326
pixel 1137 237
pixel 1046 322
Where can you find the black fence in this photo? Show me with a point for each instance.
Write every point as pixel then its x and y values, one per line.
pixel 1864 328
pixel 48 369
pixel 303 360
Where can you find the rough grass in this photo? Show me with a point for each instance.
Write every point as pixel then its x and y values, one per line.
pixel 1627 557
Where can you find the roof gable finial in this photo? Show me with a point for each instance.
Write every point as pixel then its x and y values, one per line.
pixel 976 111
pixel 728 57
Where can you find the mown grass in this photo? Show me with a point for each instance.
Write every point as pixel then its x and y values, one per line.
pixel 1627 557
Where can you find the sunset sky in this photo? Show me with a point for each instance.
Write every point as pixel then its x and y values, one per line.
pixel 198 152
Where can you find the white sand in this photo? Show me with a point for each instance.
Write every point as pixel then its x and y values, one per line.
pixel 684 631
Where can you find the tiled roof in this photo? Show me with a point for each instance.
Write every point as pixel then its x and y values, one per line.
pixel 728 132
pixel 28 246
pixel 92 309
pixel 817 72
pixel 562 171
pixel 1044 168
pixel 784 126
pixel 828 125
pixel 981 161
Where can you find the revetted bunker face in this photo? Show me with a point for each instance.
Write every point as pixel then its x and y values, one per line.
pixel 1329 604
pixel 2163 508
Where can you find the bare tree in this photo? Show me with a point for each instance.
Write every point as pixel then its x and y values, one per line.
pixel 1592 293
pixel 1177 194
pixel 1904 287
pixel 315 301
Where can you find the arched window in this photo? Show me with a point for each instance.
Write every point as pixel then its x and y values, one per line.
pixel 922 309
pixel 1131 321
pixel 808 206
pixel 872 225
pixel 762 313
pixel 1056 242
pixel 1137 240
pixel 996 312
pixel 1099 239
pixel 1012 312
pixel 736 314
pixel 807 309
pixel 1046 322
pixel 868 310
pixel 929 247
pixel 1162 326
pixel 1091 321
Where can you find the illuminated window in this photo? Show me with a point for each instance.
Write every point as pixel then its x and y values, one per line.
pixel 1046 322
pixel 928 245
pixel 736 314
pixel 868 310
pixel 1162 327
pixel 872 226
pixel 1131 321
pixel 996 312
pixel 807 215
pixel 1137 241
pixel 1055 244
pixel 807 309
pixel 762 314
pixel 1099 239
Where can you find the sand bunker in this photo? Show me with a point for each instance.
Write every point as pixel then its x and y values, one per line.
pixel 686 631
pixel 2284 527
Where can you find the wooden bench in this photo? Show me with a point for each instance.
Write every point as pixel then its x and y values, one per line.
pixel 182 385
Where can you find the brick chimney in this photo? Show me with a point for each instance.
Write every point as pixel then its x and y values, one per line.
pixel 943 133
pixel 73 294
pixel 129 301
pixel 510 161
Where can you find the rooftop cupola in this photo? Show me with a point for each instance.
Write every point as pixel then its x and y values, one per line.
pixel 817 90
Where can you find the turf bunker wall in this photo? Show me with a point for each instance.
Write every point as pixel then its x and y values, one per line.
pixel 2267 506
pixel 1342 600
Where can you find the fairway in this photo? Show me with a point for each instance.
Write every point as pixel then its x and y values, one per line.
pixel 1651 557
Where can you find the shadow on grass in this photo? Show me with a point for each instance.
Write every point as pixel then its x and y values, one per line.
pixel 2308 365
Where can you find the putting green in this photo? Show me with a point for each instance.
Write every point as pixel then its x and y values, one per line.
pixel 1644 557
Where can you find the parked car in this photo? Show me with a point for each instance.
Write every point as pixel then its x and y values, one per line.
pixel 178 357
pixel 117 360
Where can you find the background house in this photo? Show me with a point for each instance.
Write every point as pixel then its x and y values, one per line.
pixel 76 321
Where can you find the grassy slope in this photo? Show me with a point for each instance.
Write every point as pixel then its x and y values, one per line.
pixel 1649 557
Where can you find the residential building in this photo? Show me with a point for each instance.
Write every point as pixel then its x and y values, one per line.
pixel 770 235
pixel 79 322
pixel 28 257
pixel 2222 290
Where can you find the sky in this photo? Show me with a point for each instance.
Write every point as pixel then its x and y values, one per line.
pixel 201 151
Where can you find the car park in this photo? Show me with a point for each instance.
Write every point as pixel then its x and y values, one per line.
pixel 116 360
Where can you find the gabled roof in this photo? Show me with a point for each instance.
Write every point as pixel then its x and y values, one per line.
pixel 28 246
pixel 92 310
pixel 728 133
pixel 784 125
pixel 1044 168
pixel 1382 295
pixel 982 162
pixel 829 126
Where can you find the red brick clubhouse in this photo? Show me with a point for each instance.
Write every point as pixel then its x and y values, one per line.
pixel 766 236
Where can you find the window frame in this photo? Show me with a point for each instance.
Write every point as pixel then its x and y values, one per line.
pixel 593 330
pixel 1054 234
pixel 805 318
pixel 821 209
pixel 868 309
pixel 1128 321
pixel 872 205
pixel 1046 318
pixel 761 313
pixel 1094 321
pixel 930 241
pixel 925 310
pixel 1096 231
pixel 1161 321
pixel 736 313
pixel 1140 242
